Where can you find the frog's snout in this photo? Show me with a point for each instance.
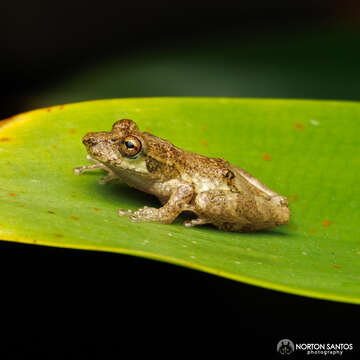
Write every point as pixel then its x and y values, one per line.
pixel 90 139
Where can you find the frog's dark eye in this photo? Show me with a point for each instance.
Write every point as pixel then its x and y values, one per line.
pixel 130 146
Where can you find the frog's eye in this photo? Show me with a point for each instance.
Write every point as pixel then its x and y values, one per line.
pixel 130 146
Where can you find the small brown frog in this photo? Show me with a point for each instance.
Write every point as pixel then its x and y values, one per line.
pixel 215 191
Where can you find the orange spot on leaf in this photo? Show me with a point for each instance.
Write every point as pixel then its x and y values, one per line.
pixel 51 212
pixel 53 146
pixel 292 227
pixel 61 107
pixel 96 209
pixel 336 266
pixel 312 230
pixel 326 223
pixel 293 197
pixel 12 194
pixel 205 143
pixel 266 157
pixel 59 235
pixel 72 131
pixel 48 109
pixel 299 126
pixel 75 218
pixel 5 139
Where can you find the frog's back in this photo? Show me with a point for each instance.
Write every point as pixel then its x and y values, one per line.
pixel 205 173
pixel 254 185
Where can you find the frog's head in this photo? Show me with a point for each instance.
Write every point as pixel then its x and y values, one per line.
pixel 122 148
pixel 130 152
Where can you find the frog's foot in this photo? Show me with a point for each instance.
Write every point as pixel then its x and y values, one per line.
pixel 195 222
pixel 123 212
pixel 149 214
pixel 145 214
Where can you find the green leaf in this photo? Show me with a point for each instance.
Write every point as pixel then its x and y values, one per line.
pixel 306 150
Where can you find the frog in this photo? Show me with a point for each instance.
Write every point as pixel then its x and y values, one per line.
pixel 214 191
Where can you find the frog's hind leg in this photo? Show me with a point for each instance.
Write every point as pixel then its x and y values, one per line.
pixel 231 211
pixel 177 203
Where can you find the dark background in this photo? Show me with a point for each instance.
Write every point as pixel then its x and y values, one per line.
pixel 67 51
pixel 52 299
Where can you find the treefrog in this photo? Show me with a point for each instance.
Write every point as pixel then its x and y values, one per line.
pixel 216 191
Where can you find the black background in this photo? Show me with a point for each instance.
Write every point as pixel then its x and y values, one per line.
pixel 45 42
pixel 62 302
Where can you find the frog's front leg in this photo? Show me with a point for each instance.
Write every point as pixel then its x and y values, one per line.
pixel 97 165
pixel 81 169
pixel 178 202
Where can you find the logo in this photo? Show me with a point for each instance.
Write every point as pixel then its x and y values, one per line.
pixel 285 347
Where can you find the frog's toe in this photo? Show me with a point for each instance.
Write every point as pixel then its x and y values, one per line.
pixel 81 169
pixel 78 170
pixel 147 214
pixel 123 212
pixel 195 222
pixel 134 218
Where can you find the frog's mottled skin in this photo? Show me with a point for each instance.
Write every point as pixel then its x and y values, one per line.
pixel 215 191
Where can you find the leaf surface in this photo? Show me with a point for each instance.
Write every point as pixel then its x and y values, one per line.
pixel 306 150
